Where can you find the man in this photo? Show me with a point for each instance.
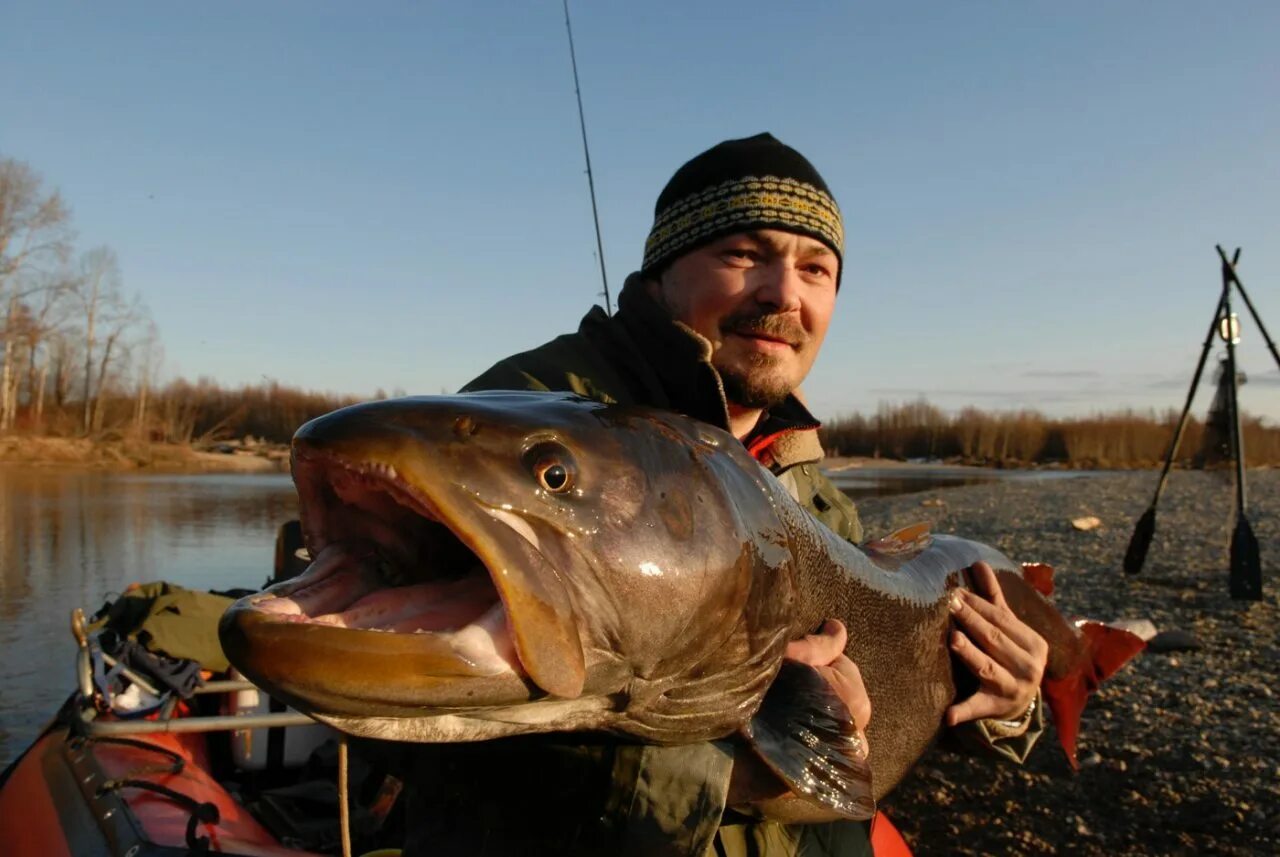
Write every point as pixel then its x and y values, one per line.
pixel 723 322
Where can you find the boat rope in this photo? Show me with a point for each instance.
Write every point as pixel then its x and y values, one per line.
pixel 201 812
pixel 344 812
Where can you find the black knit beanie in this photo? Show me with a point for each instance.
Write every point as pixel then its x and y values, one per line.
pixel 739 185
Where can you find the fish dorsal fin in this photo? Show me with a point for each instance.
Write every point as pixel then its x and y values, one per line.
pixel 806 736
pixel 899 547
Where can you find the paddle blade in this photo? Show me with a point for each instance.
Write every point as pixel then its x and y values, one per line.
pixel 1136 555
pixel 1246 563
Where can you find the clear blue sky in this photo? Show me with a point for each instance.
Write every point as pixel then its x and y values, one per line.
pixel 353 196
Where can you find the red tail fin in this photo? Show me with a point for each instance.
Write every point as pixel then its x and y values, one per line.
pixel 1108 649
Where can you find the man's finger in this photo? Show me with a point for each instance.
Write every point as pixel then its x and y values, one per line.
pixel 980 706
pixel 994 627
pixel 986 582
pixel 822 647
pixel 992 676
pixel 846 679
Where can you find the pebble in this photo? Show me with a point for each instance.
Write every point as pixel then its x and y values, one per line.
pixel 1174 640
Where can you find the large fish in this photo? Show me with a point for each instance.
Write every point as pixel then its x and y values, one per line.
pixel 502 563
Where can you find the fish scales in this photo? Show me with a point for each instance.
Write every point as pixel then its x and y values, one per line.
pixel 898 623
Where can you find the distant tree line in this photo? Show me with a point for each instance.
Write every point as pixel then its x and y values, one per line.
pixel 183 412
pixel 203 412
pixel 1010 439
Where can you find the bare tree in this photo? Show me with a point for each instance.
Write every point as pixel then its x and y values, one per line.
pixel 99 284
pixel 18 331
pixel 47 312
pixel 34 230
pixel 65 355
pixel 118 319
pixel 150 356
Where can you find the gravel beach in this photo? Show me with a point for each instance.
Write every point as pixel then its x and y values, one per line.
pixel 1180 751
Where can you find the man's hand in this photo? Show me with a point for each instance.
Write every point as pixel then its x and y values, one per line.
pixel 753 786
pixel 999 648
pixel 824 651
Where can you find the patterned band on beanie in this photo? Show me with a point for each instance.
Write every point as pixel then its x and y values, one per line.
pixel 741 185
pixel 739 205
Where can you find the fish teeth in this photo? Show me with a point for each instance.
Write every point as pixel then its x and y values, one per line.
pixel 378 468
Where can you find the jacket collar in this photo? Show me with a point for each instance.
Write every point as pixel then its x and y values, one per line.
pixel 681 376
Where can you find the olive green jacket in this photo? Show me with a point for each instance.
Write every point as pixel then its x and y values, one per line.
pixel 552 795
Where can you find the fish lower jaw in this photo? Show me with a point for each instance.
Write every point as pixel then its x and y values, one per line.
pixel 344 591
pixel 482 724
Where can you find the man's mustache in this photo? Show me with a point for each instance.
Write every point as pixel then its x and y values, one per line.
pixel 774 326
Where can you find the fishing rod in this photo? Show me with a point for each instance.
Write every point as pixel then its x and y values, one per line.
pixel 591 184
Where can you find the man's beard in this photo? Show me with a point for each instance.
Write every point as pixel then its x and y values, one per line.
pixel 759 385
pixel 756 388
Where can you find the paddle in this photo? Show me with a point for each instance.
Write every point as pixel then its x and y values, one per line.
pixel 1246 564
pixel 1145 529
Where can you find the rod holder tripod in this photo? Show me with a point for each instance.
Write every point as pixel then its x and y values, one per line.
pixel 1246 564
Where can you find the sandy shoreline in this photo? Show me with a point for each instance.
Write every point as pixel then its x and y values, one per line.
pixel 82 453
pixel 1181 751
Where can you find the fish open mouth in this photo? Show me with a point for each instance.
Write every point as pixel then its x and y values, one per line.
pixel 414 596
pixel 385 561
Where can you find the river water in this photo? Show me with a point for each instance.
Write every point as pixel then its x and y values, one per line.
pixel 72 539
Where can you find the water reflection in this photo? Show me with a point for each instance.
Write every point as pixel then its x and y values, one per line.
pixel 72 539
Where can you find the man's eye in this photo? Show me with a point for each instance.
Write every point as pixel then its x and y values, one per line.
pixel 817 270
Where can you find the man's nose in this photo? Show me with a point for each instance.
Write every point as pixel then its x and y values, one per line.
pixel 780 286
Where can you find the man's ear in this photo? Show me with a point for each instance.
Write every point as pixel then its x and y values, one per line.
pixel 653 287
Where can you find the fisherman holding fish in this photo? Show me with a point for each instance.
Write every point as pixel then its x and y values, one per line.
pixel 722 323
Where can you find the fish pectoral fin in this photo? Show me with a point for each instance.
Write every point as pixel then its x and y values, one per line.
pixel 805 734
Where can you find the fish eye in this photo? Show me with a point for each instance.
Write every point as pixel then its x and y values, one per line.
pixel 553 476
pixel 552 464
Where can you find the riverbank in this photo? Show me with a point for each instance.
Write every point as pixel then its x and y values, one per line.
pixel 235 457
pixel 120 455
pixel 1180 751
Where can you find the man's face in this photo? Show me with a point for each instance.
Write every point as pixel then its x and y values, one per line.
pixel 764 300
